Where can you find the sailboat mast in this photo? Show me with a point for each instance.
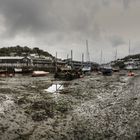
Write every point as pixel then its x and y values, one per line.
pixel 67 56
pixel 56 62
pixel 101 57
pixel 88 57
pixel 116 53
pixel 129 47
pixel 71 58
pixel 82 59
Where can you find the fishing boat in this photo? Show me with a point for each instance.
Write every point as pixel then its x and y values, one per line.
pixel 67 74
pixel 107 70
pixel 27 70
pixel 86 69
pixel 116 69
pixel 39 73
pixel 129 67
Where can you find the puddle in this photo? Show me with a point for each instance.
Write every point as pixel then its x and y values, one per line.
pixel 55 88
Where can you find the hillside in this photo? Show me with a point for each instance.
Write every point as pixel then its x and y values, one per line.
pixel 22 51
pixel 135 56
pixel 120 62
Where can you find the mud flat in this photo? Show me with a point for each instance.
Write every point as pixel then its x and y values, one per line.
pixel 93 107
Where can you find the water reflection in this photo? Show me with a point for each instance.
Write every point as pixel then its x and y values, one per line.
pixel 55 88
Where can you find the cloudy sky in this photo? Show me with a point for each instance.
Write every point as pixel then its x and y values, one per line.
pixel 62 25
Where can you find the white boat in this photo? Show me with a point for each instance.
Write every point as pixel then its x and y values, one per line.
pixel 129 67
pixel 18 70
pixel 39 73
pixel 86 69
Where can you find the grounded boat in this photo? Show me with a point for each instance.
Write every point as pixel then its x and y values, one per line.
pixel 107 71
pixel 131 73
pixel 18 70
pixel 5 73
pixel 67 74
pixel 24 70
pixel 86 69
pixel 27 70
pixel 116 69
pixel 131 65
pixel 39 73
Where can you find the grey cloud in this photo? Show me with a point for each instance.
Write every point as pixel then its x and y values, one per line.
pixel 116 40
pixel 106 2
pixel 134 47
pixel 61 23
pixel 45 16
pixel 23 15
pixel 126 3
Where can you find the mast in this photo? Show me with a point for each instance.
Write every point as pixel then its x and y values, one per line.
pixel 101 57
pixel 56 62
pixel 88 57
pixel 67 56
pixel 82 59
pixel 116 53
pixel 71 58
pixel 129 47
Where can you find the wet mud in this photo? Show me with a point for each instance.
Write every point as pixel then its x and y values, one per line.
pixel 93 107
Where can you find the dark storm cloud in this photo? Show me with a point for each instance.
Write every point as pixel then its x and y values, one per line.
pixel 49 16
pixel 44 17
pixel 24 15
pixel 66 24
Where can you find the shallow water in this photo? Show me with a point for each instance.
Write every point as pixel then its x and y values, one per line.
pixel 55 88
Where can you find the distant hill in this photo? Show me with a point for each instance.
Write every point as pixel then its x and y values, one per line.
pixel 22 51
pixel 135 56
pixel 120 62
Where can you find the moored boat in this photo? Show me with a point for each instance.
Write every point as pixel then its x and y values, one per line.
pixel 39 73
pixel 116 69
pixel 86 69
pixel 67 74
pixel 5 73
pixel 107 71
pixel 18 70
pixel 130 73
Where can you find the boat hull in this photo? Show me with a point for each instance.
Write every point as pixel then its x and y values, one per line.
pixel 66 76
pixel 39 73
pixel 107 72
pixel 6 74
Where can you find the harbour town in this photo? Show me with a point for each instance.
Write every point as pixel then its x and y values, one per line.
pixel 69 70
pixel 50 98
